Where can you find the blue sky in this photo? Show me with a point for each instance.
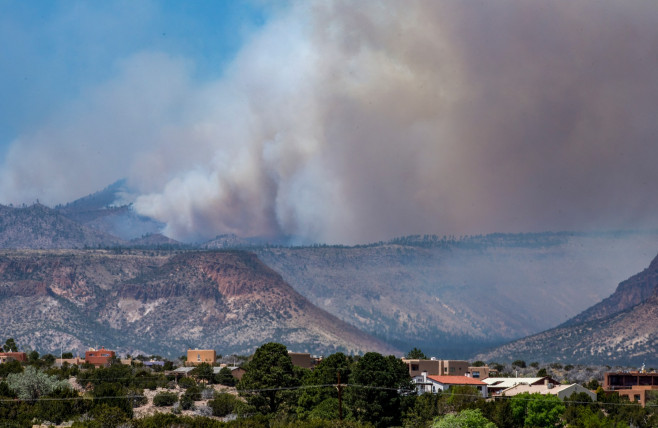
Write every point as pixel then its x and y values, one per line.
pixel 53 50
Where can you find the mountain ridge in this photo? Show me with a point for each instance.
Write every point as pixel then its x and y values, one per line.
pixel 161 302
pixel 621 329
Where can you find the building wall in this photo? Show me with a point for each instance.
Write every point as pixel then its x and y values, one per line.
pixel 438 367
pixel 198 356
pixel 479 372
pixel 99 357
pixel 301 359
pixel 638 394
pixel 11 356
pixel 613 381
pixel 453 367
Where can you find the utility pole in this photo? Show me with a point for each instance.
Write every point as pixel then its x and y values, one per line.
pixel 340 399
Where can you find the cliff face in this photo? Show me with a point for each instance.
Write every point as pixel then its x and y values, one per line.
pixel 156 302
pixel 629 293
pixel 622 329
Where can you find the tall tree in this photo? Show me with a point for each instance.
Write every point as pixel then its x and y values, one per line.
pixel 537 410
pixel 416 354
pixel 376 385
pixel 267 375
pixel 325 373
pixel 468 418
pixel 10 345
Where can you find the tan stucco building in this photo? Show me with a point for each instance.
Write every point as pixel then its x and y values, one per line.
pixel 198 356
pixel 437 367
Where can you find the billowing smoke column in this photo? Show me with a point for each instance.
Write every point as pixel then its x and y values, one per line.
pixel 351 122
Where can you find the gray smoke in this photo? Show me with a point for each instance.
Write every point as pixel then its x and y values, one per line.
pixel 351 122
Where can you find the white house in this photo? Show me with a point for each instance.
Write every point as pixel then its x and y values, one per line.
pixel 562 391
pixel 434 384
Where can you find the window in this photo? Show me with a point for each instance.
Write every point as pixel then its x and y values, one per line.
pixel 445 370
pixel 475 374
pixel 414 367
pixel 636 397
pixel 198 357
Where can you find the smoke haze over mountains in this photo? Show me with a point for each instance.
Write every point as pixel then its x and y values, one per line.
pixel 351 122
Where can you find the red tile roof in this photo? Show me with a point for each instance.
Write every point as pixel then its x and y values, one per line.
pixel 456 380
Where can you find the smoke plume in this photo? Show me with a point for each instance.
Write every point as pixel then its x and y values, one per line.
pixel 351 122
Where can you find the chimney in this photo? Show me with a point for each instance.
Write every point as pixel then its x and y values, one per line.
pixel 424 373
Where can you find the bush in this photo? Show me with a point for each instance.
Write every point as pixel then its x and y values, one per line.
pixel 207 394
pixel 186 382
pixel 204 411
pixel 186 402
pixel 223 404
pixel 519 363
pixel 162 399
pixel 225 377
pixel 138 398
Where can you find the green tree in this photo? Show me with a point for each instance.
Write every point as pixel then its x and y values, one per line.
pixel 374 392
pixel 416 354
pixel 325 373
pixel 163 399
pixel 113 394
pixel 10 367
pixel 269 370
pixel 106 416
pixel 225 377
pixel 424 409
pixel 33 357
pixel 223 404
pixel 32 383
pixel 519 363
pixel 461 397
pixel 10 345
pixel 204 372
pixel 63 406
pixel 536 410
pixel 469 418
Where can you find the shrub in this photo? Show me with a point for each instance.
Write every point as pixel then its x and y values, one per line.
pixel 33 383
pixel 186 382
pixel 207 394
pixel 162 399
pixel 223 404
pixel 186 402
pixel 203 411
pixel 519 363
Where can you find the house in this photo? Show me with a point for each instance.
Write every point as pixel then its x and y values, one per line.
pixel 77 361
pixel 13 356
pixel 561 391
pixel 302 359
pixel 481 372
pixel 99 357
pixel 237 372
pixel 636 385
pixel 433 384
pixel 198 356
pixel 498 384
pixel 436 367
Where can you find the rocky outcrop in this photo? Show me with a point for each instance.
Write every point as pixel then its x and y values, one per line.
pixel 162 303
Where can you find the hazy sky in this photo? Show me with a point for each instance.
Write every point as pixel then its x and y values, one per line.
pixel 337 121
